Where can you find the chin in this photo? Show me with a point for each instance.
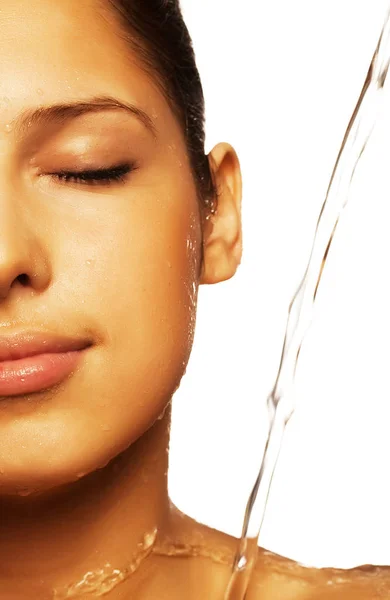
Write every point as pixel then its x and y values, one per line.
pixel 36 468
pixel 59 437
pixel 43 457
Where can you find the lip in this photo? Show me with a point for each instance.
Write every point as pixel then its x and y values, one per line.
pixel 34 361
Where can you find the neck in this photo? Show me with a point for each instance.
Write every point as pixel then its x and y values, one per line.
pixel 107 520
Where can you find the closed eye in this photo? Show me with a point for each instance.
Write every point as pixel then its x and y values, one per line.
pixel 102 176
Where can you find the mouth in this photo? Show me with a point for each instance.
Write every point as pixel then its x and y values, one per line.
pixel 33 362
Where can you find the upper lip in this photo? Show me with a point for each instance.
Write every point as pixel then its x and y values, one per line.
pixel 23 345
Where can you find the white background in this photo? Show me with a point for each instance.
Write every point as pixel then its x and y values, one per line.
pixel 281 80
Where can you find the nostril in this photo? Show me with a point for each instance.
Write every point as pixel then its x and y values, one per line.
pixel 23 279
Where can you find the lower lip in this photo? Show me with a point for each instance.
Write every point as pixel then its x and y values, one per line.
pixel 36 373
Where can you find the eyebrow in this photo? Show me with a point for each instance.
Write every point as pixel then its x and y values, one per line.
pixel 61 113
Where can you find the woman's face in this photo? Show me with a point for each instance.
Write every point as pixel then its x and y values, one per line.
pixel 113 265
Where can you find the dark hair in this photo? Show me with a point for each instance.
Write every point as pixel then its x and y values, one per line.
pixel 160 37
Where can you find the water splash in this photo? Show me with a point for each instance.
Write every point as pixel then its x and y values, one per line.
pixel 101 581
pixel 281 400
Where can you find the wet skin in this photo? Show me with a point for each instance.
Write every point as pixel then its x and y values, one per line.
pixel 84 464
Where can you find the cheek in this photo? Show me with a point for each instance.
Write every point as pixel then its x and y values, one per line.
pixel 140 288
pixel 152 293
pixel 129 276
pixel 150 279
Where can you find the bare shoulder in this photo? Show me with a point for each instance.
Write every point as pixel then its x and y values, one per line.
pixel 274 577
pixel 278 577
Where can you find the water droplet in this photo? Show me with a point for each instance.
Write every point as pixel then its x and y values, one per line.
pixel 1 471
pixel 23 379
pixel 8 128
pixel 242 563
pixel 106 429
pixel 149 539
pixel 39 92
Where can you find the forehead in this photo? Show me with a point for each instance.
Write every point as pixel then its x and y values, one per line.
pixel 62 49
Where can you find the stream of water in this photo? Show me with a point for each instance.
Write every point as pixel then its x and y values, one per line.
pixel 281 400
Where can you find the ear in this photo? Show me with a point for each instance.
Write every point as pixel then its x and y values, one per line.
pixel 222 231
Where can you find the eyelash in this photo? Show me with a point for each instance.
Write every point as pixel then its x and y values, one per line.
pixel 110 176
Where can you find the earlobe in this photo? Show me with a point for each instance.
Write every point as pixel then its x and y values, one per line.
pixel 222 239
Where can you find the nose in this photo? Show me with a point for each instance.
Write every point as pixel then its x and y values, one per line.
pixel 23 262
